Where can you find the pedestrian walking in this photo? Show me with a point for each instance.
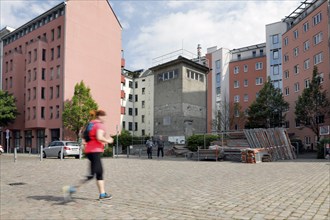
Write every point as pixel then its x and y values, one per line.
pixel 94 147
pixel 160 148
pixel 150 145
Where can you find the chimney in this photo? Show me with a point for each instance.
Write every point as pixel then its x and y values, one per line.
pixel 199 52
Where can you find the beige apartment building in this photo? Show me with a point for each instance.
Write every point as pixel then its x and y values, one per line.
pixel 305 45
pixel 46 57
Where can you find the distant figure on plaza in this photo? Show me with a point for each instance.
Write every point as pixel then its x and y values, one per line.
pixel 96 139
pixel 150 145
pixel 160 147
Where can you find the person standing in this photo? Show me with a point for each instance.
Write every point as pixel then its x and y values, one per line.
pixel 160 148
pixel 150 145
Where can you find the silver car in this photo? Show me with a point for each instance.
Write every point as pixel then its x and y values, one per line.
pixel 70 148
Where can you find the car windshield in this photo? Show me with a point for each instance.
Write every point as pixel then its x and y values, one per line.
pixel 72 144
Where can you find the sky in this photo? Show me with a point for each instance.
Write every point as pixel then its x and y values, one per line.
pixel 154 28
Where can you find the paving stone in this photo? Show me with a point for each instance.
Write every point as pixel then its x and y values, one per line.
pixel 171 188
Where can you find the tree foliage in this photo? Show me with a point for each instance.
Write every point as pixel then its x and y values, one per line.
pixel 222 118
pixel 8 109
pixel 76 111
pixel 267 110
pixel 312 105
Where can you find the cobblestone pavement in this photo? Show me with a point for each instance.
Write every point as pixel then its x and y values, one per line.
pixel 166 189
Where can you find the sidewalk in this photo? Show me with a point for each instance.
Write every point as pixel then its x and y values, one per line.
pixel 166 188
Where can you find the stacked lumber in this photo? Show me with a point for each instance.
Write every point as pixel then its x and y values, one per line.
pixel 250 155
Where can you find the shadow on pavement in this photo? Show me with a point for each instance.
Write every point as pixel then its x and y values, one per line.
pixel 59 200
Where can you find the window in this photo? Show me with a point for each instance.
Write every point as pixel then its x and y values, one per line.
pixel 143 91
pixel 246 97
pixel 130 84
pixel 295 34
pixel 245 68
pixel 51 73
pixel 142 118
pixel 297 123
pixel 236 84
pixel 236 112
pixel 259 66
pixel 130 97
pixel 143 104
pixel 130 126
pixel 28 113
pixel 306 45
pixel 43 54
pixel 320 77
pixel 296 87
pixel 35 53
pixel 317 19
pixel 136 98
pixel 296 69
pixel 307 82
pixel 286 74
pixel 318 38
pixel 51 93
pixel 318 58
pixel 51 112
pixel 307 140
pixel 6 67
pixel 246 83
pixel 43 74
pixel 239 56
pixel 306 64
pixel 286 41
pixel 259 81
pixel 57 91
pixel 295 51
pixel 57 111
pixel 236 69
pixel 306 27
pixel 236 98
pixel 58 32
pixel 136 126
pixel 58 51
pixel 275 39
pixel 130 111
pixel 254 53
pixel 42 92
pixel 124 125
pixel 42 112
pixel 276 70
pixel 287 91
pixel 275 54
pixel 286 57
pixel 52 34
pixel 218 90
pixel 218 77
pixel 136 111
pixel 29 94
pixel 58 72
pixel 217 64
pixel 29 57
pixel 34 74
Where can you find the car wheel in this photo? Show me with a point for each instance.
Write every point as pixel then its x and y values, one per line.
pixel 44 154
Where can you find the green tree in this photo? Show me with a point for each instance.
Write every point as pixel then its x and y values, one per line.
pixel 267 110
pixel 8 109
pixel 312 105
pixel 76 111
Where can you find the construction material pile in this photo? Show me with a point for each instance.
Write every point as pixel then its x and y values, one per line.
pixel 275 140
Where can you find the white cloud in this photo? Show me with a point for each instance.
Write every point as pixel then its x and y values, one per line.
pixel 216 23
pixel 16 13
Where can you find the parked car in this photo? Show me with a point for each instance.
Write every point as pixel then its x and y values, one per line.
pixel 70 148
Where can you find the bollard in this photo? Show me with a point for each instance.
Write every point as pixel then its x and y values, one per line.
pixel 80 153
pixel 41 152
pixel 62 152
pixel 15 154
pixel 140 152
pixel 127 149
pixel 198 154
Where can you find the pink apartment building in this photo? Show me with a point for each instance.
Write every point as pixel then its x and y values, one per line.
pixel 45 58
pixel 305 44
pixel 247 75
